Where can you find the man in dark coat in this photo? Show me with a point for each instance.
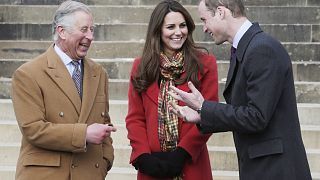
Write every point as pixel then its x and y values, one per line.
pixel 260 107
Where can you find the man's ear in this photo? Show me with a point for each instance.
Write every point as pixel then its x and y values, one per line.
pixel 224 12
pixel 221 11
pixel 61 32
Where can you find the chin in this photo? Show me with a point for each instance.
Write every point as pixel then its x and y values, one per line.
pixel 176 47
pixel 217 42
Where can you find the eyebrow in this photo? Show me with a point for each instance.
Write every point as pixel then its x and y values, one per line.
pixel 184 22
pixel 85 26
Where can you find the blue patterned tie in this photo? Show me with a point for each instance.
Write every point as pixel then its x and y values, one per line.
pixel 76 76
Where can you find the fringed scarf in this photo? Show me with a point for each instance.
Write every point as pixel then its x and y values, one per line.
pixel 170 70
pixel 168 133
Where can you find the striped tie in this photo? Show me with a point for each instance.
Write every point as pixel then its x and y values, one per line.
pixel 76 76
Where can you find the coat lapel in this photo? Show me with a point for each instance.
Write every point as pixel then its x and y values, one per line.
pixel 241 49
pixel 60 75
pixel 231 74
pixel 153 92
pixel 91 77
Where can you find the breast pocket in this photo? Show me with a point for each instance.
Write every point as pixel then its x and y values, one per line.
pixel 266 148
pixel 99 110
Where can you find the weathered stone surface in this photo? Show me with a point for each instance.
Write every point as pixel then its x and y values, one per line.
pixel 222 158
pixel 306 52
pixel 120 69
pixel 313 3
pixel 118 90
pixel 137 32
pixel 12 134
pixel 315 33
pixel 141 14
pixel 119 37
pixel 154 2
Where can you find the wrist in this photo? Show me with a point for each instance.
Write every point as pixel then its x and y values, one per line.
pixel 199 109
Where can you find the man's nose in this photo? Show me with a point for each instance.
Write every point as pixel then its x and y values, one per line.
pixel 89 35
pixel 205 29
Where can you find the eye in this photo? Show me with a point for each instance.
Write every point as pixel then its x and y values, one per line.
pixel 182 25
pixel 92 29
pixel 84 29
pixel 170 27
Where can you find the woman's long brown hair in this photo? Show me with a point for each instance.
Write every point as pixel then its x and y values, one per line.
pixel 148 70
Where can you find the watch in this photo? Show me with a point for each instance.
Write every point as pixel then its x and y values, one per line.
pixel 198 110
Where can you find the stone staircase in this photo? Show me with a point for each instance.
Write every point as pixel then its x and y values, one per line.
pixel 25 32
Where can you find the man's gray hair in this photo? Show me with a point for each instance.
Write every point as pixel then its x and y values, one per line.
pixel 64 15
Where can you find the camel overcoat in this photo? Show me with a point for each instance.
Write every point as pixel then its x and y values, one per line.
pixel 53 120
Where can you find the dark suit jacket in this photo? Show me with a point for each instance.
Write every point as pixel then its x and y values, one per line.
pixel 53 120
pixel 261 111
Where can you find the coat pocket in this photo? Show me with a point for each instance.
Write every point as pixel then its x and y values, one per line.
pixel 266 148
pixel 42 159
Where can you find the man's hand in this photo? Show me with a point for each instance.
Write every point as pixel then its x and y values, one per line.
pixel 96 133
pixel 186 113
pixel 194 99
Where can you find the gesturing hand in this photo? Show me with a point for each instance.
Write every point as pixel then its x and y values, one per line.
pixel 186 113
pixel 96 133
pixel 194 99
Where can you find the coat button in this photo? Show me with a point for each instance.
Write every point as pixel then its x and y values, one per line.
pixel 102 114
pixel 97 165
pixel 61 114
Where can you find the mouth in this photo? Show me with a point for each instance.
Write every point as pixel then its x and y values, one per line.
pixel 176 39
pixel 86 45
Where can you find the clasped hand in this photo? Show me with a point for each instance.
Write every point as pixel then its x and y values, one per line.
pixel 162 164
pixel 96 133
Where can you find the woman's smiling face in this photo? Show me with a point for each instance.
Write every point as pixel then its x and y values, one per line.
pixel 174 32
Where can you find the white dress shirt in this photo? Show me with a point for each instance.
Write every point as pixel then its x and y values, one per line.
pixel 66 60
pixel 243 29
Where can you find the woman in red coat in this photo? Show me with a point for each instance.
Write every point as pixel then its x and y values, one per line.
pixel 163 146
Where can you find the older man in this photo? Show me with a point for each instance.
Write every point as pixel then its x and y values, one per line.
pixel 61 104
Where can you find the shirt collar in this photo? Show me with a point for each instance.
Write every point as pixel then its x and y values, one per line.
pixel 243 29
pixel 63 56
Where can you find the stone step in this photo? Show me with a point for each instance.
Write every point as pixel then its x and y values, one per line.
pixel 120 68
pixel 141 14
pixel 121 173
pixel 221 158
pixel 306 52
pixel 153 2
pixel 116 173
pixel 306 92
pixel 308 113
pixel 137 32
pixel 10 133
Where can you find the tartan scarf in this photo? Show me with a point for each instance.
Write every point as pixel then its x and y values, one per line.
pixel 170 70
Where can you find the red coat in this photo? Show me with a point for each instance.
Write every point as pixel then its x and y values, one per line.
pixel 142 123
